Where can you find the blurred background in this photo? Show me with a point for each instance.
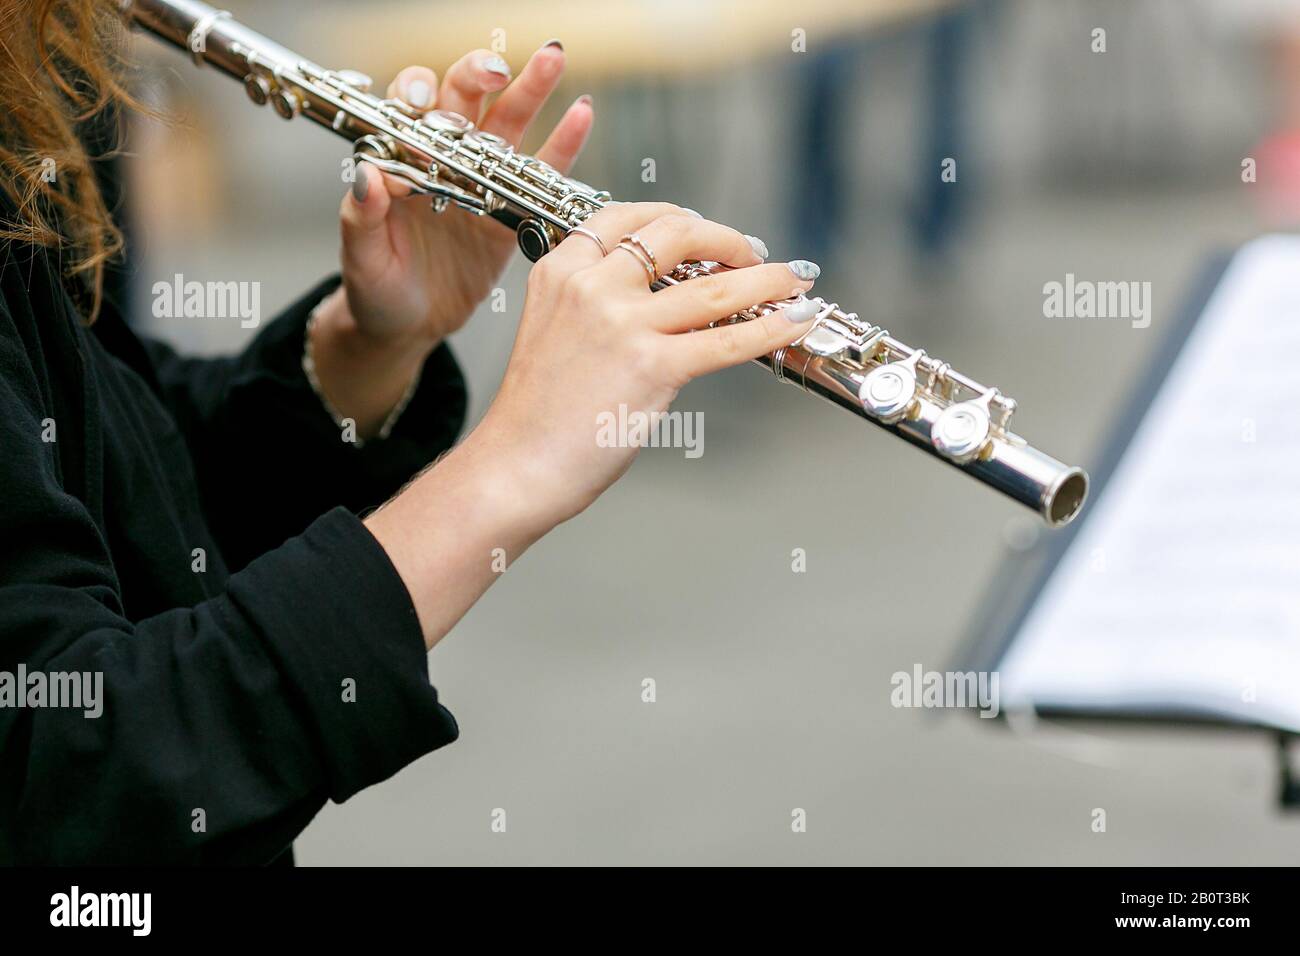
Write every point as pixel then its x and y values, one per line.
pixel 773 687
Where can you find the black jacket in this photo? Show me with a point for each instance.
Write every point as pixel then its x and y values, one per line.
pixel 223 689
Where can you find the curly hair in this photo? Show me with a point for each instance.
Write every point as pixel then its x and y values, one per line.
pixel 60 68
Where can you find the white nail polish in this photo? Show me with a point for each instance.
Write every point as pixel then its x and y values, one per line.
pixel 494 64
pixel 758 245
pixel 804 269
pixel 417 94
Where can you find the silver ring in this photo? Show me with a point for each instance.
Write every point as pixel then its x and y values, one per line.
pixel 632 244
pixel 583 231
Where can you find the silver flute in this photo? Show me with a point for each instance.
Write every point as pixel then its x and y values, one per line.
pixel 856 365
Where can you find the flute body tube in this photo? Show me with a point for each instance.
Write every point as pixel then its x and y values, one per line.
pixel 841 358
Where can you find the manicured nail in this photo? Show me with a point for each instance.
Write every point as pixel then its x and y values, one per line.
pixel 804 269
pixel 801 311
pixel 555 43
pixel 360 184
pixel 417 94
pixel 758 245
pixel 494 64
pixel 691 212
pixel 585 98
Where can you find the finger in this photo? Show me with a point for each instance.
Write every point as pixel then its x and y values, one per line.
pixel 580 250
pixel 675 238
pixel 610 223
pixel 569 136
pixel 470 79
pixel 416 86
pixel 362 222
pixel 695 303
pixel 396 188
pixel 513 111
pixel 712 349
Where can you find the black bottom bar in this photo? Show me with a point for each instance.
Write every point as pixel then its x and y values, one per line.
pixel 983 906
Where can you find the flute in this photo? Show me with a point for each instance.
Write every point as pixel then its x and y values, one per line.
pixel 841 358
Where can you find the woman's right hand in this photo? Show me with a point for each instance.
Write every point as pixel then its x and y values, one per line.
pixel 592 337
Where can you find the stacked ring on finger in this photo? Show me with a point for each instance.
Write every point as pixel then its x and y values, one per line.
pixel 632 244
pixel 583 231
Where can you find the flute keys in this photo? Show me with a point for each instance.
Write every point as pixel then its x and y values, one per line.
pixel 962 431
pixel 491 139
pixel 533 238
pixel 355 79
pixel 286 103
pixel 889 391
pixel 257 88
pixel 447 121
pixel 822 341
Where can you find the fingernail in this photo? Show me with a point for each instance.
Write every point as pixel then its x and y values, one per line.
pixel 360 184
pixel 804 269
pixel 494 64
pixel 584 98
pixel 555 43
pixel 417 93
pixel 758 245
pixel 801 311
pixel 691 212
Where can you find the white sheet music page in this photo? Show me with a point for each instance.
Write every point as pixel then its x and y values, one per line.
pixel 1181 593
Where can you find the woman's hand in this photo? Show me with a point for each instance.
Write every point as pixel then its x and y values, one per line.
pixel 592 337
pixel 411 276
pixel 408 269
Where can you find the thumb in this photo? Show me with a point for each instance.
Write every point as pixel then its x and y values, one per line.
pixel 362 222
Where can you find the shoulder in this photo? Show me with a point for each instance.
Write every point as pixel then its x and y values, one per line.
pixel 38 323
pixel 30 284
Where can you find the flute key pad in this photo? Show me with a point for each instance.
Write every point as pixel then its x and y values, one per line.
pixel 962 431
pixel 888 391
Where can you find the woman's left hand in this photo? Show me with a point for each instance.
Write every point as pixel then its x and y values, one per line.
pixel 408 269
pixel 411 276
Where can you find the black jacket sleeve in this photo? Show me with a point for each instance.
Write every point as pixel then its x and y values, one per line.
pixel 224 726
pixel 261 440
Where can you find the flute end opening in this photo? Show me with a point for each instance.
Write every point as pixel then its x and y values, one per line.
pixel 1066 499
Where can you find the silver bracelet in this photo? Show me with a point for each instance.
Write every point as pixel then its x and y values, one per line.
pixel 309 371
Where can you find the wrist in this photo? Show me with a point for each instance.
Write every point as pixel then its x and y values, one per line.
pixel 337 327
pixel 359 376
pixel 448 532
pixel 510 482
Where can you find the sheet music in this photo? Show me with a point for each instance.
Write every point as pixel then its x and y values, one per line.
pixel 1182 591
